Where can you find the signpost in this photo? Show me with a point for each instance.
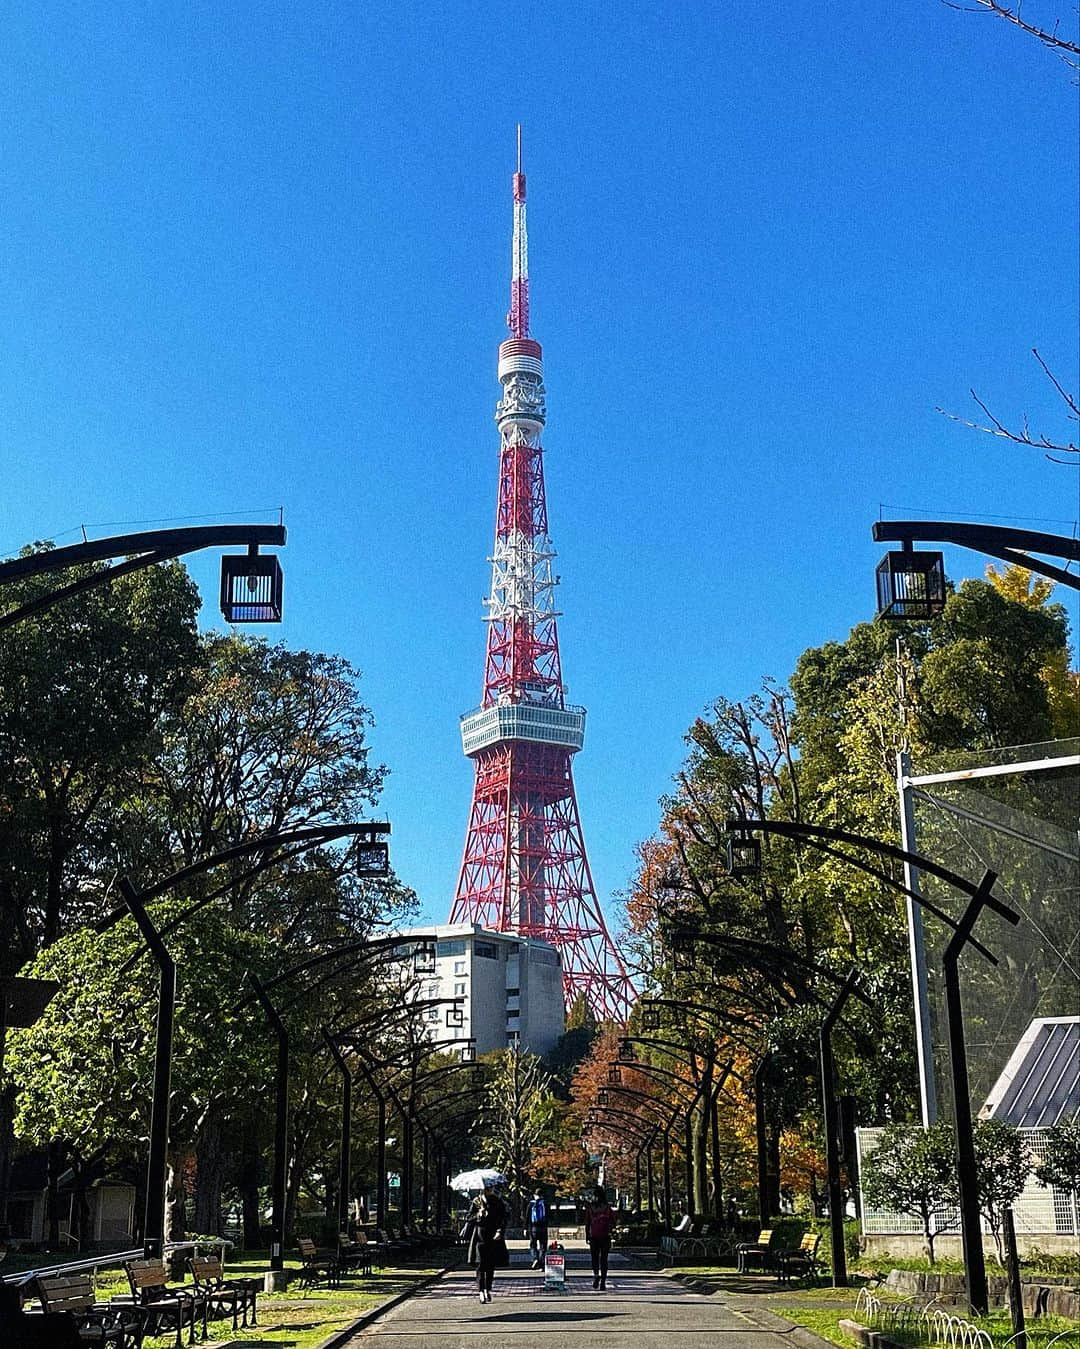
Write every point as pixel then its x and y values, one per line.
pixel 555 1266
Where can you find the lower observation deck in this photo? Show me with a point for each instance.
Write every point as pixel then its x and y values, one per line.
pixel 543 725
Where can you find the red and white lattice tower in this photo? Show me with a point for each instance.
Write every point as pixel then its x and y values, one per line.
pixel 524 869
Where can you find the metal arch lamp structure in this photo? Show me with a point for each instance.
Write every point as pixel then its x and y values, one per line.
pixel 979 896
pixel 251 586
pixel 911 584
pixel 654 1071
pixel 345 1154
pixel 369 1064
pixel 135 902
pixel 662 1127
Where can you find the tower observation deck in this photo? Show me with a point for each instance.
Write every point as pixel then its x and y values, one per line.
pixel 524 868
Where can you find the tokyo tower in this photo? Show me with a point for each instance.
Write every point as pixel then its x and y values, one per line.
pixel 524 868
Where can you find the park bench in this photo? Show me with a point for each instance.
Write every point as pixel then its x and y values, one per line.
pixel 164 1307
pixel 96 1322
pixel 683 1240
pixel 802 1260
pixel 355 1254
pixel 748 1253
pixel 226 1295
pixel 317 1267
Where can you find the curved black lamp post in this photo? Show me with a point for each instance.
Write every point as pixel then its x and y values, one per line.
pixel 250 586
pixel 135 902
pixel 980 896
pixel 912 584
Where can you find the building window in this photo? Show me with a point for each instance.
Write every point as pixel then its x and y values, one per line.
pixel 486 949
pixel 513 1037
pixel 450 948
pixel 513 992
pixel 459 967
pixel 433 1014
pixel 512 1018
pixel 459 990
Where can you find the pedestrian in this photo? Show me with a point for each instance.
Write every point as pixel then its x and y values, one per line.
pixel 538 1229
pixel 54 1330
pixel 487 1245
pixel 599 1222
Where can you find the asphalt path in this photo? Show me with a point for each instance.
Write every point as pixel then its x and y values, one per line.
pixel 640 1309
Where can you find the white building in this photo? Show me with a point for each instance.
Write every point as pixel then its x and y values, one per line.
pixel 511 986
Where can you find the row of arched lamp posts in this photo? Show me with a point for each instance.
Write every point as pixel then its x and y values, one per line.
pixel 251 590
pixel 911 585
pixel 682 941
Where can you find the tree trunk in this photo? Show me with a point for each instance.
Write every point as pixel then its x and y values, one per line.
pixel 209 1174
pixel 175 1214
pixel 52 1194
pixel 249 1191
pixel 774 1172
pixel 702 1192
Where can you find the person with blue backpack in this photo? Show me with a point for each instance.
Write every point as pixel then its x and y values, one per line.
pixel 538 1229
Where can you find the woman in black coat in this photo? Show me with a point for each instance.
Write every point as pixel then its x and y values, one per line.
pixel 487 1245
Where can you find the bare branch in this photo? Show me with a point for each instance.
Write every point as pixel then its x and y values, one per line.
pixel 1024 436
pixel 1048 38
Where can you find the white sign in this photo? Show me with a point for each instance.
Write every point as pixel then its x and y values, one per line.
pixel 555 1267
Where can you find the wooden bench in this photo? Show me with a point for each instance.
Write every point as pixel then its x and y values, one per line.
pixel 235 1295
pixel 164 1307
pixel 355 1254
pixel 317 1267
pixel 802 1260
pixel 749 1252
pixel 96 1322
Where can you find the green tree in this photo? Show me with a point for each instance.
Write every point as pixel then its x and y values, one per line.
pixel 1060 1166
pixel 83 1071
pixel 83 690
pixel 913 1170
pixel 1003 1165
pixel 521 1106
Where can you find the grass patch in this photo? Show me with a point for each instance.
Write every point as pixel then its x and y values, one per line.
pixel 823 1320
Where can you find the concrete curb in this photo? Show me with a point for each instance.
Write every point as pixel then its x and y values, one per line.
pixel 341 1337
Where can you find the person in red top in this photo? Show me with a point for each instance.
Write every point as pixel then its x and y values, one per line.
pixel 599 1222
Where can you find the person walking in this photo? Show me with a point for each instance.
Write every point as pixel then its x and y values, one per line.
pixel 538 1229
pixel 487 1245
pixel 599 1222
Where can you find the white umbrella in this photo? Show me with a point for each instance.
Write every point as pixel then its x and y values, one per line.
pixel 476 1180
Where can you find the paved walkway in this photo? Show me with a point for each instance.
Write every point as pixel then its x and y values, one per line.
pixel 640 1309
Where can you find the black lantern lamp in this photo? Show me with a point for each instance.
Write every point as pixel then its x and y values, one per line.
pixel 455 1018
pixel 423 961
pixel 372 856
pixel 743 856
pixel 468 1053
pixel 681 946
pixel 602 1096
pixel 614 1074
pixel 626 1051
pixel 650 1016
pixel 251 586
pixel 910 585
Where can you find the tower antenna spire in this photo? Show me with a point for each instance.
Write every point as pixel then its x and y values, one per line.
pixel 517 320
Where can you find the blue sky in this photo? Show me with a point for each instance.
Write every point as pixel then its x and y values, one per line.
pixel 258 255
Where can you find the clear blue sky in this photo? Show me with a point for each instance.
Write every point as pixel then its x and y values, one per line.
pixel 257 255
